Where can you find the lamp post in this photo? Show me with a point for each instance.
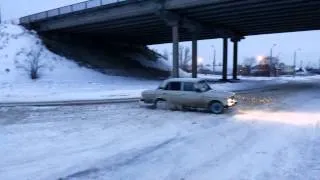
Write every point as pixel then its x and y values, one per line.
pixel 214 59
pixel 278 56
pixel 270 60
pixel 295 60
pixel 0 16
pixel 277 64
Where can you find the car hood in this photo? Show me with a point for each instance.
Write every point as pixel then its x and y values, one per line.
pixel 220 93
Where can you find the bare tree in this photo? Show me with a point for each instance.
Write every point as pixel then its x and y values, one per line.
pixel 32 63
pixel 184 57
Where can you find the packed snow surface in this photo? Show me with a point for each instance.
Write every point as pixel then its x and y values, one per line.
pixel 277 140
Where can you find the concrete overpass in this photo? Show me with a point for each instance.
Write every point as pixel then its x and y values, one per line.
pixel 162 21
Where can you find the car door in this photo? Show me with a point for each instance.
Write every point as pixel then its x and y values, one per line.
pixel 189 96
pixel 172 92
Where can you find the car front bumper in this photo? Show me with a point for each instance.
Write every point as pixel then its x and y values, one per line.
pixel 143 102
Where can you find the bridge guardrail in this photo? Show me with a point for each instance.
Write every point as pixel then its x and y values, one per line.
pixel 67 9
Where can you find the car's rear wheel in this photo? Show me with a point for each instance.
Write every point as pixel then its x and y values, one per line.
pixel 216 107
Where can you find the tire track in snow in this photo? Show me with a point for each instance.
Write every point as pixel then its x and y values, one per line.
pixel 120 160
pixel 238 147
pixel 310 160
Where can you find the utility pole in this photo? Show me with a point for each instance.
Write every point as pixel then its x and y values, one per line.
pixel 214 59
pixel 319 63
pixel 270 60
pixel 0 16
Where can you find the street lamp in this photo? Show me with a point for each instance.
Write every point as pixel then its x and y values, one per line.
pixel 278 55
pixel 295 60
pixel 200 61
pixel 214 58
pixel 270 60
pixel 260 58
pixel 0 15
pixel 276 63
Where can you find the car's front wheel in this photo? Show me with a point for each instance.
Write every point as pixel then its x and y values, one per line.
pixel 216 107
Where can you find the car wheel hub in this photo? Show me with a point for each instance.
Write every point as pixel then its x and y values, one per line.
pixel 216 108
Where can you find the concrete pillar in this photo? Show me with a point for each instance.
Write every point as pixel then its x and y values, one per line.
pixel 235 59
pixel 175 50
pixel 194 55
pixel 225 60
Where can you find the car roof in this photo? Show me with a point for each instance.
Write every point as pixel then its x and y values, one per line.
pixel 194 80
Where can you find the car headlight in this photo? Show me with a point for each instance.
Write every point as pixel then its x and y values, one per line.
pixel 231 101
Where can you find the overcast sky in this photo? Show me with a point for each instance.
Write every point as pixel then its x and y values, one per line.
pixel 287 43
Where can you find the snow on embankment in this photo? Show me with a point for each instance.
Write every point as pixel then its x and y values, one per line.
pixel 59 78
pixel 161 64
pixel 18 46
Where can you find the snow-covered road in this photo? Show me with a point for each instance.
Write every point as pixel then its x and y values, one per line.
pixel 273 134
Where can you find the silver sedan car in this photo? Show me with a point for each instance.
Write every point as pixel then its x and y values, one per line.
pixel 183 93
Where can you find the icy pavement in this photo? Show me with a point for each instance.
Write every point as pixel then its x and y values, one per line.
pixel 73 91
pixel 271 135
pixel 104 87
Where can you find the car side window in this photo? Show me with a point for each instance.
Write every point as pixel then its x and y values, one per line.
pixel 173 86
pixel 202 86
pixel 188 86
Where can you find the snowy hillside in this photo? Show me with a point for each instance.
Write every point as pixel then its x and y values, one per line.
pixel 59 78
pixel 17 44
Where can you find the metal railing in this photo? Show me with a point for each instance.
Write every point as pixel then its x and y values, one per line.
pixel 66 10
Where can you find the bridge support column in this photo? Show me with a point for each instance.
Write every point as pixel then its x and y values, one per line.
pixel 225 60
pixel 235 59
pixel 194 55
pixel 175 50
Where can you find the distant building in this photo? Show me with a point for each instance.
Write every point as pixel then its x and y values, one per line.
pixel 244 70
pixel 260 70
pixel 285 69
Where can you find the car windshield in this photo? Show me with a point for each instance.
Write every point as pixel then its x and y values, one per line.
pixel 203 86
pixel 162 85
